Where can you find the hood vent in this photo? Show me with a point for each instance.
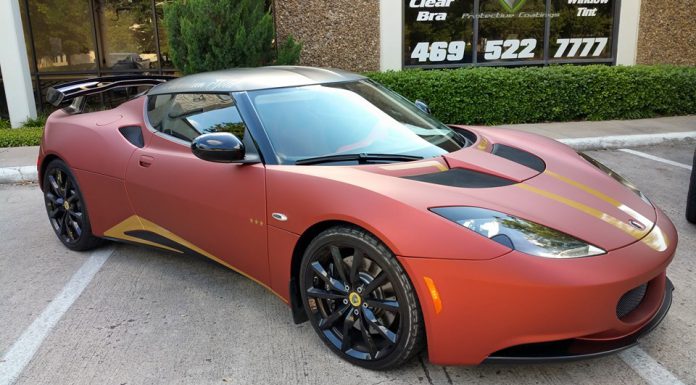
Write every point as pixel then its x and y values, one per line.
pixel 459 177
pixel 519 156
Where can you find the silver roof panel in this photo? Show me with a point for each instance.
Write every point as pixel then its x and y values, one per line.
pixel 249 79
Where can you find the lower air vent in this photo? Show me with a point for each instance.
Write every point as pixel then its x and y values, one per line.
pixel 459 177
pixel 630 301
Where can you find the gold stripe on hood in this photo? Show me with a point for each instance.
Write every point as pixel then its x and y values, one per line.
pixel 656 239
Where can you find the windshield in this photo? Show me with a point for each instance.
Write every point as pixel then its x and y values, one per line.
pixel 349 118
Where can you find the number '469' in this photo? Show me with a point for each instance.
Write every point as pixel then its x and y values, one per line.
pixel 439 51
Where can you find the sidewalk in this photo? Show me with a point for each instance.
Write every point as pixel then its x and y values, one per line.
pixel 18 156
pixel 19 164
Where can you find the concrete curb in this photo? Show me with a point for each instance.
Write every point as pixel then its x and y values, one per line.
pixel 18 174
pixel 29 174
pixel 623 141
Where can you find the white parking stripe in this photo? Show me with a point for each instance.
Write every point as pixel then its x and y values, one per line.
pixel 656 158
pixel 649 369
pixel 22 351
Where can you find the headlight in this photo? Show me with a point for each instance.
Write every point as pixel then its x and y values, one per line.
pixel 519 234
pixel 616 177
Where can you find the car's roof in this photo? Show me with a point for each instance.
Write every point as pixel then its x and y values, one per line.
pixel 248 79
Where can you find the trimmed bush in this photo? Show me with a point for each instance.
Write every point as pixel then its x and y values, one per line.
pixel 486 95
pixel 18 137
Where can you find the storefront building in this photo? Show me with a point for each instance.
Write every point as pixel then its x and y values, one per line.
pixel 66 39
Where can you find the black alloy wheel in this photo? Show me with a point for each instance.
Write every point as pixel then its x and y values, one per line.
pixel 66 209
pixel 359 300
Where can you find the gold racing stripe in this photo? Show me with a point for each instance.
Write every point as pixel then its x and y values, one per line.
pixel 135 222
pixel 411 166
pixel 645 221
pixel 130 224
pixel 656 240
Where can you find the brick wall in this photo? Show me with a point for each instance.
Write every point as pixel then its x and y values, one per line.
pixel 667 33
pixel 340 34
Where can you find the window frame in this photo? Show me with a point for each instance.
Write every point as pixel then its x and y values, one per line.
pixel 187 144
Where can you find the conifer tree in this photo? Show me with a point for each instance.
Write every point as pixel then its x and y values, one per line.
pixel 208 35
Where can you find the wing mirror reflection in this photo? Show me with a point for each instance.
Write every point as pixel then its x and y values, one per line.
pixel 422 106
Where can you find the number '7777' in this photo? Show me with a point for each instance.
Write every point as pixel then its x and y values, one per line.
pixel 577 43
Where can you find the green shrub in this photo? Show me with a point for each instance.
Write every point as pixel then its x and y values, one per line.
pixel 486 95
pixel 207 35
pixel 4 124
pixel 17 137
pixel 39 121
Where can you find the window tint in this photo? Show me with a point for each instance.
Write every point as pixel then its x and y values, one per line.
pixel 186 116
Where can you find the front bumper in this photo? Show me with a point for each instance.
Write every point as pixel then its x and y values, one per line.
pixel 522 307
pixel 578 349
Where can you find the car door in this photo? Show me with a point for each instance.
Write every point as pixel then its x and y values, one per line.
pixel 186 204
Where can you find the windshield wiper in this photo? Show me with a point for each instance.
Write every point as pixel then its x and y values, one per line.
pixel 360 158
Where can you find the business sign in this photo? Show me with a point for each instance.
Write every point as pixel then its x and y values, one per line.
pixel 454 33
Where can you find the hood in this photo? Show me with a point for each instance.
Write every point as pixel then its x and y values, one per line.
pixel 520 174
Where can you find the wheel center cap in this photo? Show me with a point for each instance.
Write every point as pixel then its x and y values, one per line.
pixel 355 299
pixel 66 205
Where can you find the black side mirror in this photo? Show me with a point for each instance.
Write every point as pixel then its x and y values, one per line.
pixel 422 106
pixel 220 147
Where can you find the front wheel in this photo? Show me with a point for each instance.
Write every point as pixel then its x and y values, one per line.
pixel 66 208
pixel 691 196
pixel 359 299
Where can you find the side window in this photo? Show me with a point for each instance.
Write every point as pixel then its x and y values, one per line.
pixel 186 116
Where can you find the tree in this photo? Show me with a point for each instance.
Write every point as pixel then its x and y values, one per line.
pixel 207 35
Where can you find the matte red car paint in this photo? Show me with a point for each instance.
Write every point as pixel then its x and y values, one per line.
pixel 491 297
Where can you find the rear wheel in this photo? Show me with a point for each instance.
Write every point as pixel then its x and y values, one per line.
pixel 691 196
pixel 359 299
pixel 66 209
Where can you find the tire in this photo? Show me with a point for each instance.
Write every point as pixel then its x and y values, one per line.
pixel 372 302
pixel 66 209
pixel 691 196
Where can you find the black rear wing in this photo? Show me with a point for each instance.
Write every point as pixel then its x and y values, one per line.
pixel 81 88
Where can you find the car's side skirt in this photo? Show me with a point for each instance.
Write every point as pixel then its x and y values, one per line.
pixel 138 230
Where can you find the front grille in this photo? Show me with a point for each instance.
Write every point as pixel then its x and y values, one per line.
pixel 630 301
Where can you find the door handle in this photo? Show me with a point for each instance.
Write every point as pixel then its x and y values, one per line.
pixel 146 161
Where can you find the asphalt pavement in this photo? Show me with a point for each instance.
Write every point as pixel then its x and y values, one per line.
pixel 151 317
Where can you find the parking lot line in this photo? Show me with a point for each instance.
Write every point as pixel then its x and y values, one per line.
pixel 649 369
pixel 22 351
pixel 656 158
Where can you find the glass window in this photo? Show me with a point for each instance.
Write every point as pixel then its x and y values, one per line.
pixel 63 35
pixel 126 35
pixel 186 116
pixel 165 57
pixel 581 31
pixel 349 118
pixel 4 113
pixel 511 30
pixel 438 32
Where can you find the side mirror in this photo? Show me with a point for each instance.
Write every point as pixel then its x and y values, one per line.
pixel 220 147
pixel 422 106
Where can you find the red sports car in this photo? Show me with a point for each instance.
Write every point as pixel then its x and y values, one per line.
pixel 383 227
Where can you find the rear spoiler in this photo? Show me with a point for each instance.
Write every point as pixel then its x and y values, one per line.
pixel 80 88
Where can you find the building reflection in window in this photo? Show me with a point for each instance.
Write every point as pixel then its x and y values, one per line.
pixel 61 42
